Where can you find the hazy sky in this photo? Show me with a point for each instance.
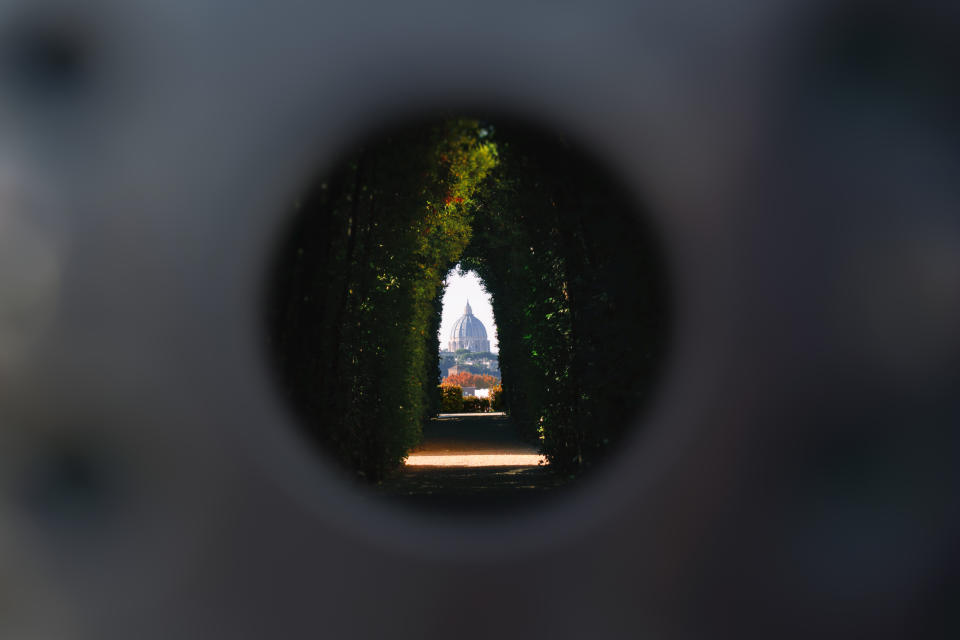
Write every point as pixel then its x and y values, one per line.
pixel 459 290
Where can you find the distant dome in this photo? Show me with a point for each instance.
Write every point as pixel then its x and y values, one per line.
pixel 468 333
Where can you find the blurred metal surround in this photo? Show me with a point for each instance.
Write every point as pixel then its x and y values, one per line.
pixel 798 476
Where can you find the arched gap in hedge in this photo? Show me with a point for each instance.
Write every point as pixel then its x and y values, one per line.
pixel 470 364
pixel 574 272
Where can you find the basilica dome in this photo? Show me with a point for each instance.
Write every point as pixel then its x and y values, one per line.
pixel 468 333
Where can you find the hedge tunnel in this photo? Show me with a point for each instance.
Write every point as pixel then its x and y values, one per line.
pixel 576 278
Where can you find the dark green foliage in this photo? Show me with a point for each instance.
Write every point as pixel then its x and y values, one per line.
pixel 574 277
pixel 473 404
pixel 579 296
pixel 358 291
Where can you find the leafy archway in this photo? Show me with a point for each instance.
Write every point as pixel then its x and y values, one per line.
pixel 579 291
pixel 574 276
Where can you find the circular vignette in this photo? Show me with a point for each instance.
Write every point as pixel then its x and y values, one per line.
pixel 578 509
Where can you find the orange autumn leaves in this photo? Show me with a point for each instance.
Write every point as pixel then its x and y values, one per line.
pixel 467 379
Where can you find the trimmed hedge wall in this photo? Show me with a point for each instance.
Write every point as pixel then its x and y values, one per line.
pixel 473 404
pixel 451 399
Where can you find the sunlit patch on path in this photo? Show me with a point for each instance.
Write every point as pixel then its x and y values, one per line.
pixel 476 460
pixel 469 462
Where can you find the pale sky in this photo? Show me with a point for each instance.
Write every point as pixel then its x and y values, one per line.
pixel 459 290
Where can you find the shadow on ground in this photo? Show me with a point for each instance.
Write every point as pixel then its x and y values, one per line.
pixel 471 487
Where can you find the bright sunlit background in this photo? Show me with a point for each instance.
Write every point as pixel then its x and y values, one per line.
pixel 460 289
